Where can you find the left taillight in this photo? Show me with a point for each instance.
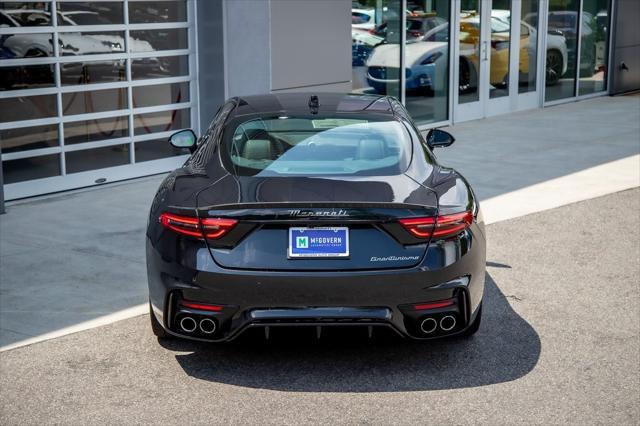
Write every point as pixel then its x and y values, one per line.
pixel 210 228
pixel 438 227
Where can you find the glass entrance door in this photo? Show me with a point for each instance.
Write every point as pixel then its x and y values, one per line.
pixel 471 63
pixel 501 56
pixel 491 67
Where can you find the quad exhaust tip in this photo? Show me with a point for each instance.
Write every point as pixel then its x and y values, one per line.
pixel 207 326
pixel 447 323
pixel 428 325
pixel 188 324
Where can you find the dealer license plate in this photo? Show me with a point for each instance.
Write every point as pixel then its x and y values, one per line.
pixel 318 242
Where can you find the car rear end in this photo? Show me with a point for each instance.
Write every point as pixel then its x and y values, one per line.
pixel 326 231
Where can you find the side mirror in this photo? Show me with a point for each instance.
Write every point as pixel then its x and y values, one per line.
pixel 184 139
pixel 437 138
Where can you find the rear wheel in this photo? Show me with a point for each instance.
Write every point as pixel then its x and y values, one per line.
pixel 475 325
pixel 464 77
pixel 554 67
pixel 156 327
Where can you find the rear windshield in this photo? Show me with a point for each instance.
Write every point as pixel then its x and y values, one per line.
pixel 308 146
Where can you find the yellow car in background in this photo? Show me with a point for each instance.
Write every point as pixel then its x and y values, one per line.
pixel 556 64
pixel 500 39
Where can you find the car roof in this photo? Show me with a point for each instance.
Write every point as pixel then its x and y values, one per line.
pixel 327 103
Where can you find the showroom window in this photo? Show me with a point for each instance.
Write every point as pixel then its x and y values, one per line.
pixel 594 50
pixel 376 53
pixel 93 86
pixel 427 60
pixel 375 46
pixel 529 36
pixel 582 68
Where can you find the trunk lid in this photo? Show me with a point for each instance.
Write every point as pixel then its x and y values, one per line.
pixel 266 208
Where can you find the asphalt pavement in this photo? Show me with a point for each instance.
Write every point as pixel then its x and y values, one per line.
pixel 559 343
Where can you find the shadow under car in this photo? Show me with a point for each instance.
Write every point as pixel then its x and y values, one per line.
pixel 344 360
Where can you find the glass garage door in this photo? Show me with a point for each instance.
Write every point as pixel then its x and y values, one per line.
pixel 90 91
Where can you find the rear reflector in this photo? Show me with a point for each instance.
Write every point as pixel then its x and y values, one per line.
pixel 201 306
pixel 433 305
pixel 212 228
pixel 438 227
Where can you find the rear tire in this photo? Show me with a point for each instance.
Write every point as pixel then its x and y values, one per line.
pixel 156 327
pixel 475 325
pixel 467 77
pixel 554 67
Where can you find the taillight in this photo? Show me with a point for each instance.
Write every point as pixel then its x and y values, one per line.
pixel 437 227
pixel 211 228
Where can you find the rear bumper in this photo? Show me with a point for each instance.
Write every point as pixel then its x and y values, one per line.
pixel 451 270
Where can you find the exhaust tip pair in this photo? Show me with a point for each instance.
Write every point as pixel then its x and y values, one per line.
pixel 430 324
pixel 189 325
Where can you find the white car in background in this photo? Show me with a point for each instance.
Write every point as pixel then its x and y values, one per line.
pixel 362 44
pixel 114 41
pixel 363 18
pixel 426 68
pixel 34 45
pixel 71 43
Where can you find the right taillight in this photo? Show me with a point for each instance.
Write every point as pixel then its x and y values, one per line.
pixel 210 228
pixel 437 227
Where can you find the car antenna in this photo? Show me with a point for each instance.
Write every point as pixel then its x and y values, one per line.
pixel 314 104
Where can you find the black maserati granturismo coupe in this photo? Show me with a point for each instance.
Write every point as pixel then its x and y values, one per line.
pixel 316 210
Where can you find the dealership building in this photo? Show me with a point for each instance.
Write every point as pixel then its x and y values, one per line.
pixel 90 94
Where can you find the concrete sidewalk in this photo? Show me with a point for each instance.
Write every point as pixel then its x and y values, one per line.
pixel 71 258
pixel 509 152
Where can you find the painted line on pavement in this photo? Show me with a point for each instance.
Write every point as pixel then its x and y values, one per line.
pixel 131 312
pixel 586 184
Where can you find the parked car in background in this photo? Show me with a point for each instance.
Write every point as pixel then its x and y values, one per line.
pixel 426 66
pixel 33 45
pixel 70 43
pixel 38 45
pixel 415 29
pixel 565 23
pixel 557 57
pixel 426 58
pixel 111 39
pixel 363 18
pixel 362 44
